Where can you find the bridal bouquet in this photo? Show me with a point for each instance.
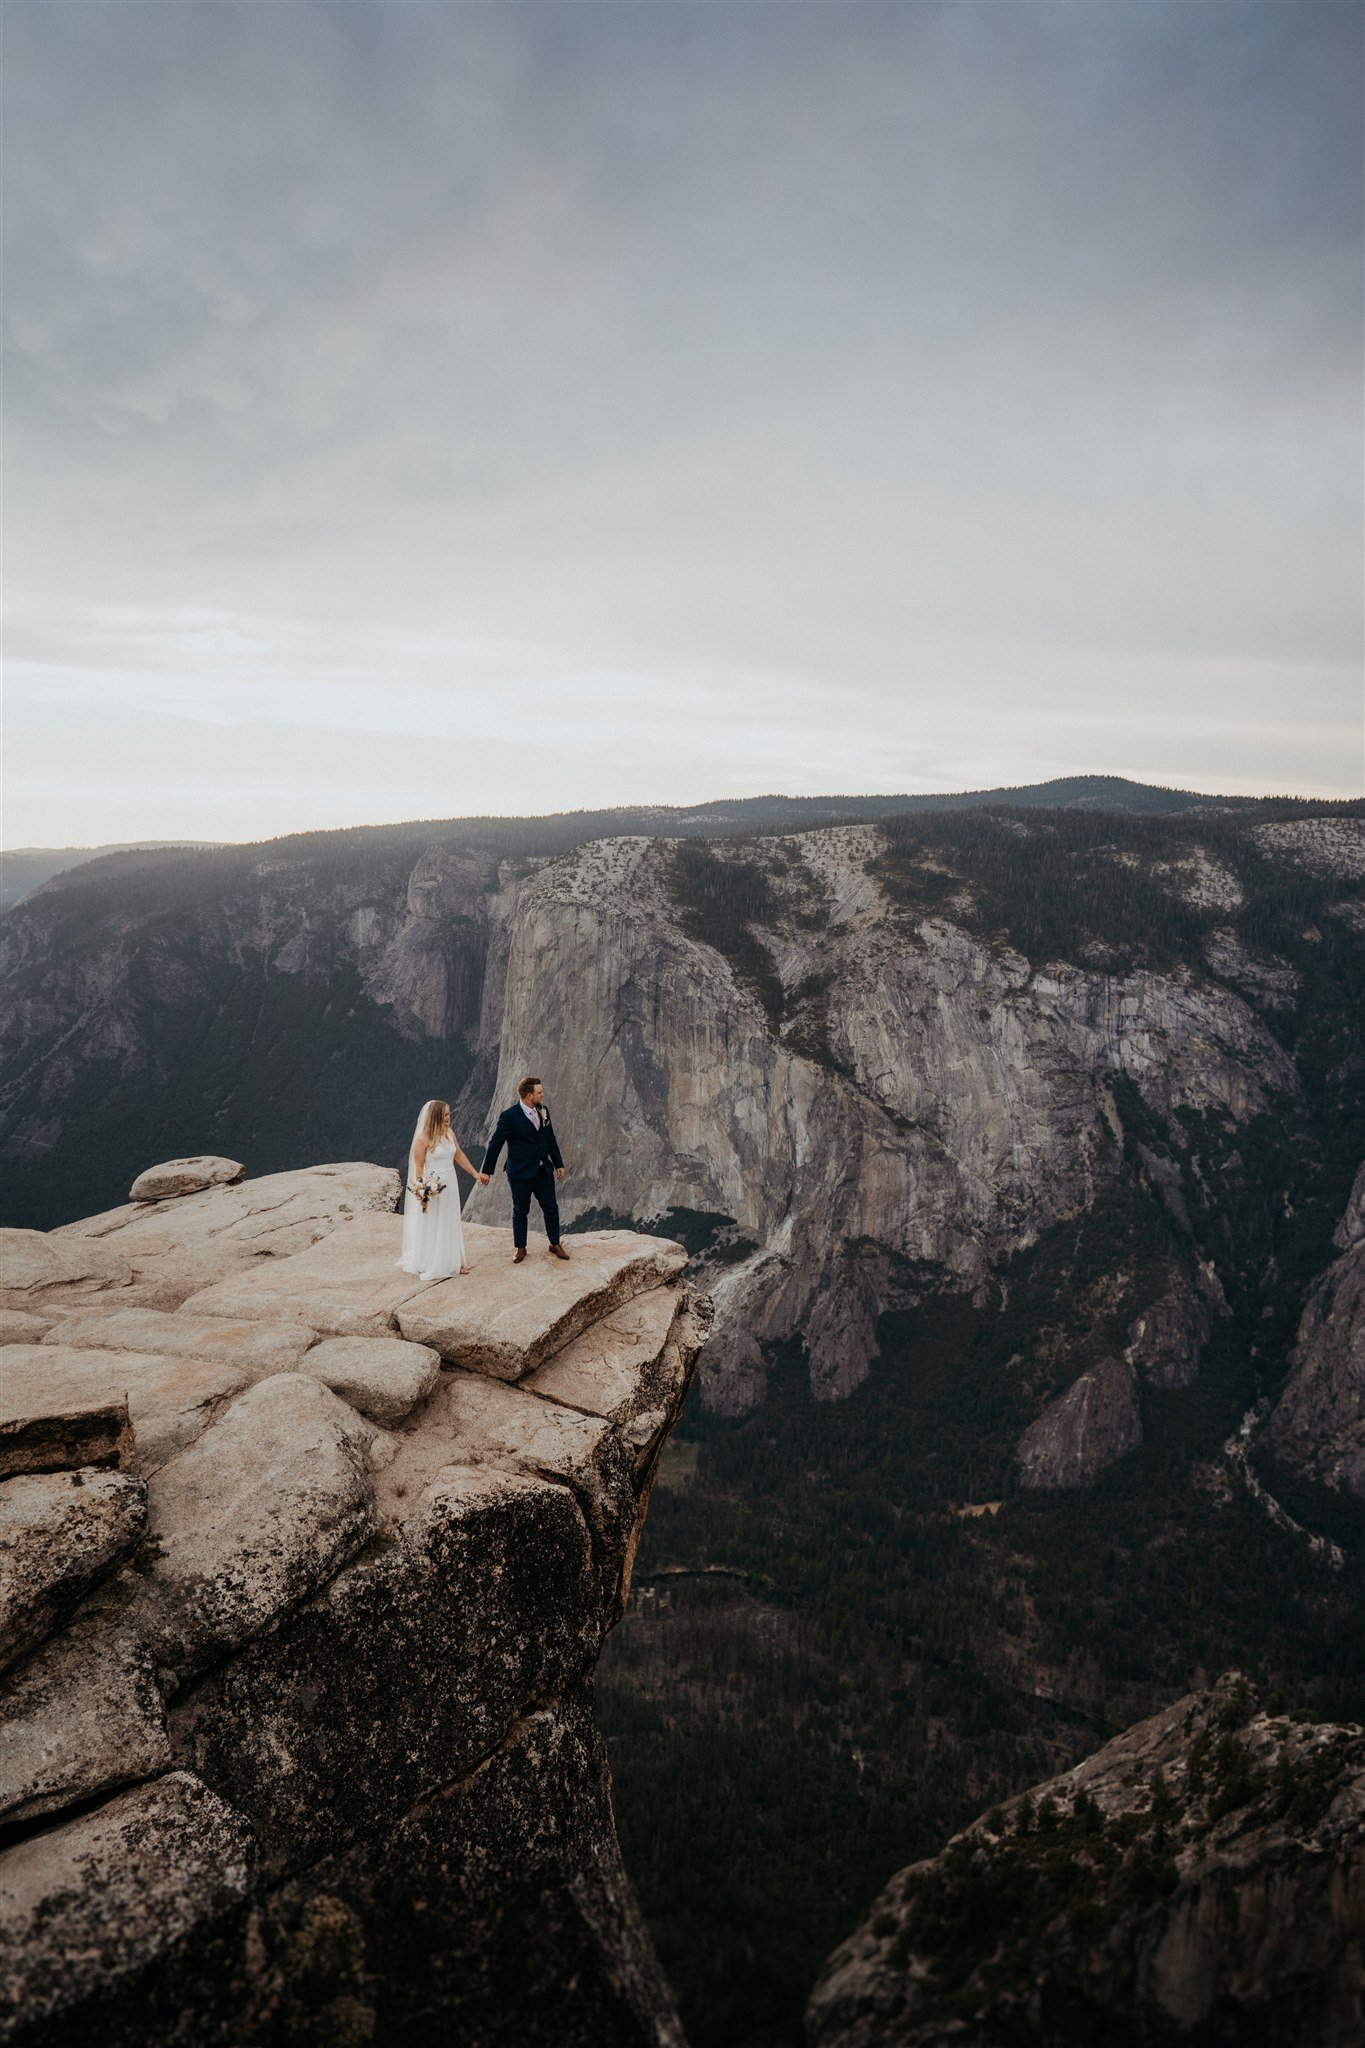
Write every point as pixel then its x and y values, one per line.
pixel 425 1188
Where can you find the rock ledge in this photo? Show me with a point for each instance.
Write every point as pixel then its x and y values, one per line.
pixel 297 1714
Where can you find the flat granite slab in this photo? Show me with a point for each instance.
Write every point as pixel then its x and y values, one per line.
pixel 616 1369
pixel 178 1246
pixel 262 1348
pixel 37 1266
pixel 47 1425
pixel 505 1320
pixel 80 1717
pixel 499 1319
pixel 348 1284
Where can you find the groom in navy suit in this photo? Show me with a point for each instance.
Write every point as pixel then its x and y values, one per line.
pixel 534 1163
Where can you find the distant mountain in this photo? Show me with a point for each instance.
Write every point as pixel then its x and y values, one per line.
pixel 25 868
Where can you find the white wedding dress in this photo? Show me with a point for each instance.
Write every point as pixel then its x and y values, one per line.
pixel 433 1239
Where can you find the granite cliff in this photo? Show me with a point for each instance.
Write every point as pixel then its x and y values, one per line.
pixel 1318 1424
pixel 1200 1879
pixel 304 1573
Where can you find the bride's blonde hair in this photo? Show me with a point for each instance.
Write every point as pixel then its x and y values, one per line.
pixel 435 1122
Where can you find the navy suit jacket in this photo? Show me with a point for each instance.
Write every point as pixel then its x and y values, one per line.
pixel 528 1149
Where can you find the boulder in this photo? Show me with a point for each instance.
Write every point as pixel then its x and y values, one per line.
pixel 58 1428
pixel 88 1909
pixel 408 1670
pixel 59 1533
pixel 504 1320
pixel 174 1249
pixel 1094 1422
pixel 257 1514
pixel 185 1177
pixel 79 1717
pixel 492 1423
pixel 169 1399
pixel 259 1348
pixel 383 1377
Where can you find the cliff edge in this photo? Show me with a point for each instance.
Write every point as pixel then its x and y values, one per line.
pixel 304 1570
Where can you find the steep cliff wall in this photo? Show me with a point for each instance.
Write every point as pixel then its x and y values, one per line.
pixel 929 1098
pixel 298 1622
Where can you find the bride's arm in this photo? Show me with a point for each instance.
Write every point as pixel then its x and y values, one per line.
pixel 460 1160
pixel 418 1157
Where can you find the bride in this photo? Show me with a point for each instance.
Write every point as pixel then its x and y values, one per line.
pixel 433 1239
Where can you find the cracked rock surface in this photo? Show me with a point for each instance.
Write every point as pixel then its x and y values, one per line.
pixel 297 1715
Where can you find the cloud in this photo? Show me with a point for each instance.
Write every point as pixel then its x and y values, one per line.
pixel 927 358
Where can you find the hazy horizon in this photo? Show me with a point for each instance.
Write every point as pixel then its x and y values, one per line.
pixel 430 411
pixel 684 805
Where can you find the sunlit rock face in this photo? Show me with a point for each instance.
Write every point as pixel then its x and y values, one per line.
pixel 296 1647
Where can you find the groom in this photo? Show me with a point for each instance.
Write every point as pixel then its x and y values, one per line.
pixel 534 1164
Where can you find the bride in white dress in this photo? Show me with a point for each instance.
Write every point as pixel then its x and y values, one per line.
pixel 433 1238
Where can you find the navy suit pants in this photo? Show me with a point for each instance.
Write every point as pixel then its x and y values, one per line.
pixel 543 1188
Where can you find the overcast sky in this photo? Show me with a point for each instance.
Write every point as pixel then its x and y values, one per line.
pixel 424 409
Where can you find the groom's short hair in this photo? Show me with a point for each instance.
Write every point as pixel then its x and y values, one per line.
pixel 526 1084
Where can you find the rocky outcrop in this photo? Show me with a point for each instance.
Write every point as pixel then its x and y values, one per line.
pixel 1166 1341
pixel 1318 1423
pixel 296 1736
pixel 1325 845
pixel 1201 1877
pixel 1094 1422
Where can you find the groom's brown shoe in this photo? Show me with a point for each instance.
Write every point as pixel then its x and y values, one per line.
pixel 557 1251
pixel 518 1255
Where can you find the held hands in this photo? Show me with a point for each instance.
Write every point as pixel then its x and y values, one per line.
pixel 483 1179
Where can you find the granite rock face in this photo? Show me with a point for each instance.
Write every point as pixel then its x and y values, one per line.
pixel 59 1533
pixel 1166 1341
pixel 296 1740
pixel 959 1100
pixel 1201 1878
pixel 1319 1421
pixel 1094 1422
